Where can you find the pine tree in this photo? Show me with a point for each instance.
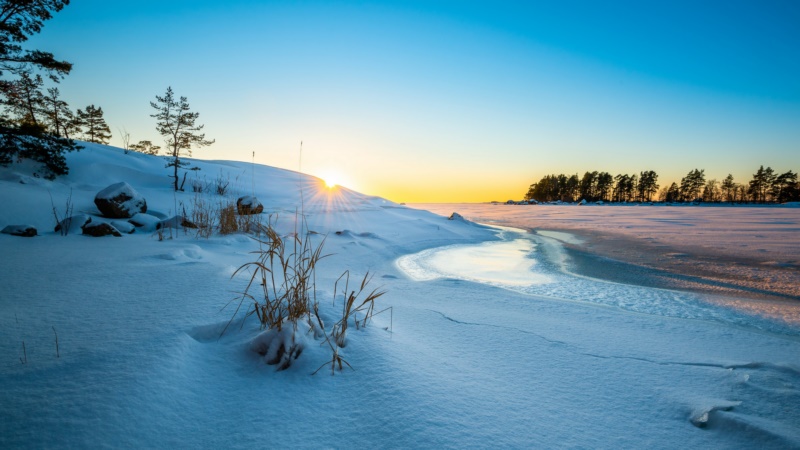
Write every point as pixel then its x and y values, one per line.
pixel 648 185
pixel 729 188
pixel 177 124
pixel 146 147
pixel 691 184
pixel 94 125
pixel 761 184
pixel 25 100
pixel 604 183
pixel 673 193
pixel 785 188
pixel 20 19
pixel 56 112
pixel 22 133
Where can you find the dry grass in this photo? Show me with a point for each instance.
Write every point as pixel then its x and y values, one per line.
pixel 212 216
pixel 350 309
pixel 203 215
pixel 227 219
pixel 281 292
pixel 351 306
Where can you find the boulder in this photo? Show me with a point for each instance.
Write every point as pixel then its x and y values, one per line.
pixel 456 216
pixel 20 230
pixel 175 222
pixel 98 229
pixel 248 205
pixel 120 201
pixel 72 224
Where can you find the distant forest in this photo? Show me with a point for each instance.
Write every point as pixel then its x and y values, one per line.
pixel 766 186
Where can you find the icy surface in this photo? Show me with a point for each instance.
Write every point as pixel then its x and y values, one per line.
pixel 454 363
pixel 534 264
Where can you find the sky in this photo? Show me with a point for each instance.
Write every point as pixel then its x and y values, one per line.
pixel 450 101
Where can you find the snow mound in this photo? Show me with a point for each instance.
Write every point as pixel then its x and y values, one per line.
pixel 20 230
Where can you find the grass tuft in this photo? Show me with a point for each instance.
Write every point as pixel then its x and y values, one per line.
pixel 281 293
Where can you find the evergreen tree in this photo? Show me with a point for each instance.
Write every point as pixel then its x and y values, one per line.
pixel 94 125
pixel 571 188
pixel 711 191
pixel 691 185
pixel 761 184
pixel 729 188
pixel 24 99
pixel 22 133
pixel 588 186
pixel 625 187
pixel 673 193
pixel 57 114
pixel 177 124
pixel 146 147
pixel 604 184
pixel 20 19
pixel 648 185
pixel 785 188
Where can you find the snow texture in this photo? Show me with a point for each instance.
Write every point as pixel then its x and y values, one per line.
pixel 123 346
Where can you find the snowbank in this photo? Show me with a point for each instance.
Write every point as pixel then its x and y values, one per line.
pixel 122 343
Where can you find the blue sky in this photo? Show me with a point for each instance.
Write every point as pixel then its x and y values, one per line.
pixel 451 100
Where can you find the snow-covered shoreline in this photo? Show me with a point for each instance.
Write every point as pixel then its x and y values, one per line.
pixel 737 252
pixel 454 363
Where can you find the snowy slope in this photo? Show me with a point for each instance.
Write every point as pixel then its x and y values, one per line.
pixel 456 363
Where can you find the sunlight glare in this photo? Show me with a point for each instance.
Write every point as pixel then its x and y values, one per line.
pixel 332 179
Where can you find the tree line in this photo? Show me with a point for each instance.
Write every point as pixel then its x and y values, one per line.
pixel 766 186
pixel 37 124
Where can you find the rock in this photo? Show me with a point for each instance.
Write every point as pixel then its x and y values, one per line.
pixel 20 230
pixel 248 205
pixel 72 224
pixel 123 227
pixel 456 216
pixel 120 201
pixel 175 222
pixel 99 229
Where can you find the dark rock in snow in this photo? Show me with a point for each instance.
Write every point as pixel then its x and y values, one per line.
pixel 176 222
pixel 456 216
pixel 248 205
pixel 120 201
pixel 72 224
pixel 99 229
pixel 20 230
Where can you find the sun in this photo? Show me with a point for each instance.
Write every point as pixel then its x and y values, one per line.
pixel 330 182
pixel 332 179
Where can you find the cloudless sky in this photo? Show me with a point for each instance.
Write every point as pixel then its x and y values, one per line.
pixel 429 101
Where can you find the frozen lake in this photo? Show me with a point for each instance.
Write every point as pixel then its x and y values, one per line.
pixel 536 264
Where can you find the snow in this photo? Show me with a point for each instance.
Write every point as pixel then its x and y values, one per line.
pixel 126 198
pixel 465 357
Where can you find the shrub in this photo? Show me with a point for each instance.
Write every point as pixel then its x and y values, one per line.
pixel 30 142
pixel 282 295
pixel 227 219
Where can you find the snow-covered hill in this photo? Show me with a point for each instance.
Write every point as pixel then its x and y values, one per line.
pixel 114 341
